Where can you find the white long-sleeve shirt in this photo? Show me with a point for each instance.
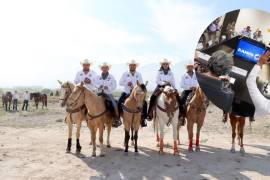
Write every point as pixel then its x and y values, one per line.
pixel 15 96
pixel 162 78
pixel 26 96
pixel 110 82
pixel 128 77
pixel 92 75
pixel 261 103
pixel 187 82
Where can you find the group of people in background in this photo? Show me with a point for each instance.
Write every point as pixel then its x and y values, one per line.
pixel 15 100
pixel 104 84
pixel 213 34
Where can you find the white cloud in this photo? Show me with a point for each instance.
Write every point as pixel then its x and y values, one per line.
pixel 180 23
pixel 41 38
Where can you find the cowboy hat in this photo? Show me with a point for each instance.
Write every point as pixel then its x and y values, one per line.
pixel 190 63
pixel 132 62
pixel 104 64
pixel 165 61
pixel 86 61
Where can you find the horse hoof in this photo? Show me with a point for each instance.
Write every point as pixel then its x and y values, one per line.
pixel 176 153
pixel 158 145
pixel 102 155
pixel 197 149
pixel 67 151
pixel 161 152
pixel 232 150
pixel 94 155
pixel 242 151
pixel 190 149
pixel 178 143
pixel 109 146
pixel 90 143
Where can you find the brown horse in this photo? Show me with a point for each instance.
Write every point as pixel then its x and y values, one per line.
pixel 38 97
pixel 237 124
pixel 7 99
pixel 196 110
pixel 97 117
pixel 132 109
pixel 73 99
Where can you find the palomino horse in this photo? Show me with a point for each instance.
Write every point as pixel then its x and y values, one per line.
pixel 238 124
pixel 97 117
pixel 7 99
pixel 38 97
pixel 196 110
pixel 73 99
pixel 132 109
pixel 166 113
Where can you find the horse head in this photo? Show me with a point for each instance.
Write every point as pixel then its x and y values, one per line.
pixel 170 95
pixel 66 89
pixel 139 93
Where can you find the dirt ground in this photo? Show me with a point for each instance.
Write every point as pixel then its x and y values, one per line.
pixel 32 146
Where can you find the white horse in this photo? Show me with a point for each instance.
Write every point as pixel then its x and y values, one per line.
pixel 166 113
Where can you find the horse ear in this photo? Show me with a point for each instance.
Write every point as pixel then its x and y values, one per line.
pixel 138 83
pixel 60 82
pixel 146 83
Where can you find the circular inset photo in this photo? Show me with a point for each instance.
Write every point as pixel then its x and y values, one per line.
pixel 232 62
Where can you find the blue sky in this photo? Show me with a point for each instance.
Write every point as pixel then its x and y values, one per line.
pixel 42 41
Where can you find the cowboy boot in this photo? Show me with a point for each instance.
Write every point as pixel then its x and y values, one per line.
pixel 251 119
pixel 116 118
pixel 182 116
pixel 143 122
pixel 225 117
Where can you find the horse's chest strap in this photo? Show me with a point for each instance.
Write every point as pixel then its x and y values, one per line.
pixel 91 117
pixel 131 110
pixel 76 109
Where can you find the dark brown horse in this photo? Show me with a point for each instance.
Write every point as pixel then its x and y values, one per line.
pixel 38 97
pixel 7 99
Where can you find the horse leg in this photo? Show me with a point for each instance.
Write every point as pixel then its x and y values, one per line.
pixel 175 137
pixel 233 122
pixel 197 143
pixel 136 140
pixel 157 132
pixel 93 139
pixel 190 135
pixel 102 150
pixel 161 143
pixel 127 136
pixel 69 122
pixel 109 128
pixel 241 126
pixel 78 146
pixel 178 134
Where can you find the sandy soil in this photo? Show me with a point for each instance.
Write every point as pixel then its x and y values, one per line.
pixel 32 146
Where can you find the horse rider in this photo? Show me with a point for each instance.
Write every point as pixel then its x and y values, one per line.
pixel 87 76
pixel 15 98
pixel 128 81
pixel 106 84
pixel 164 77
pixel 188 84
pixel 26 99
